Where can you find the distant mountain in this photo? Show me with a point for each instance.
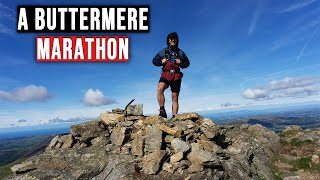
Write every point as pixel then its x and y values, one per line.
pixel 276 119
pixel 15 148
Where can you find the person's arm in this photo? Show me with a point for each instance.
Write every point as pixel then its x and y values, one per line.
pixel 157 60
pixel 184 60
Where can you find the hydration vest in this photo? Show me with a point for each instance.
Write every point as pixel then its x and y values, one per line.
pixel 171 70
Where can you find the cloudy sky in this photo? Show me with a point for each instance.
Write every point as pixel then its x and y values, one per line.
pixel 243 54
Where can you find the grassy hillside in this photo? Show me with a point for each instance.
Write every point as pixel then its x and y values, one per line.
pixel 13 149
pixel 5 169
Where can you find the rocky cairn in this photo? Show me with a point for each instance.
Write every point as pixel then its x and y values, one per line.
pixel 128 145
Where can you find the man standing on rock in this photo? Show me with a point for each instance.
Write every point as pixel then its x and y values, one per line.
pixel 171 59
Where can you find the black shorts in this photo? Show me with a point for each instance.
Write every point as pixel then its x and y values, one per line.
pixel 174 85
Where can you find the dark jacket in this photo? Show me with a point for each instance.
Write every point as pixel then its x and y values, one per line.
pixel 162 54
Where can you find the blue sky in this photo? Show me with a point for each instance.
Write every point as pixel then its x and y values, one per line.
pixel 243 54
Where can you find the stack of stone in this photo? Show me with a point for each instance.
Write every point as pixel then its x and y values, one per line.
pixel 188 145
pixel 183 145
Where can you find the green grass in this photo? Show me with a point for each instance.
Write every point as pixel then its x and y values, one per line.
pixel 276 176
pixel 16 148
pixel 289 133
pixel 302 163
pixel 297 142
pixel 283 141
pixel 5 169
pixel 306 164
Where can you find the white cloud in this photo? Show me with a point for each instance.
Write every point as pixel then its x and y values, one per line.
pixel 26 94
pixel 7 20
pixel 287 87
pixel 256 15
pixel 292 82
pixel 297 6
pixel 255 93
pixel 228 105
pixel 96 98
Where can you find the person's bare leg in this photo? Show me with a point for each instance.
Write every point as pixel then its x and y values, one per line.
pixel 161 87
pixel 175 103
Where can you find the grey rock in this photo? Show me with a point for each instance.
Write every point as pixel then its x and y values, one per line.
pixel 179 145
pixel 153 140
pixel 200 157
pixel 117 169
pixel 134 110
pixel 176 157
pixel 69 142
pixel 100 141
pixel 138 145
pixel 151 162
pixel 23 167
pixel 210 132
pixel 117 111
pixel 186 116
pixel 169 167
pixel 195 167
pixel 292 127
pixel 111 118
pixel 157 155
pixel 53 142
pixel 315 159
pixel 88 130
pixel 293 177
pixel 151 167
pixel 118 135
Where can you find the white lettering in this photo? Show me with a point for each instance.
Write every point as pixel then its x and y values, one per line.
pixel 22 19
pixel 79 49
pixel 132 19
pixel 101 48
pixel 67 48
pixel 142 18
pixel 123 48
pixel 39 19
pixel 120 18
pixel 56 49
pixel 112 50
pixel 83 18
pixel 43 48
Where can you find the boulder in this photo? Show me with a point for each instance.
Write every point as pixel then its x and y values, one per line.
pixel 200 156
pixel 53 142
pixel 134 110
pixel 88 130
pixel 111 118
pixel 23 167
pixel 152 161
pixel 100 141
pixel 176 157
pixel 117 111
pixel 134 118
pixel 196 147
pixel 186 116
pixel 138 145
pixel 172 131
pixel 195 167
pixel 119 135
pixel 69 142
pixel 153 120
pixel 168 138
pixel 179 145
pixel 153 140
pixel 210 132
